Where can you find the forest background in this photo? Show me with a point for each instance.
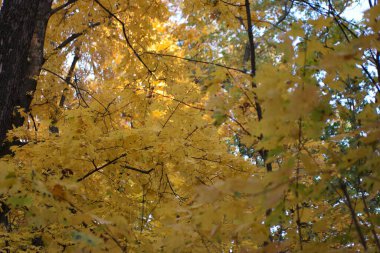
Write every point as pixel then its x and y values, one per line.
pixel 189 126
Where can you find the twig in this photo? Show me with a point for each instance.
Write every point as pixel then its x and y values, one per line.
pixel 101 167
pixel 75 87
pixel 74 36
pixel 138 170
pixel 197 61
pixel 240 124
pixel 55 10
pixel 34 122
pixel 142 209
pixel 125 35
pixel 172 189
pixel 298 221
pixel 361 192
pixel 191 133
pixel 70 75
pixel 171 114
pixel 199 108
pixel 353 215
pixel 370 77
pixel 167 120
pixel 233 4
pixel 123 248
pixel 286 13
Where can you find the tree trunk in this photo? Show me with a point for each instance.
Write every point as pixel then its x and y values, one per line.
pixel 35 58
pixel 22 33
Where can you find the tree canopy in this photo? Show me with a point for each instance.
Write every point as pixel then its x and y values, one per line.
pixel 189 126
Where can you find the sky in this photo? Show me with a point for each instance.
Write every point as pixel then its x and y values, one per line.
pixel 356 10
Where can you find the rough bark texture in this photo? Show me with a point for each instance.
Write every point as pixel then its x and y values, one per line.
pixel 17 23
pixel 35 58
pixel 22 32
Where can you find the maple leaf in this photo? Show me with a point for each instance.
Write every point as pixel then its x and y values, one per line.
pixel 189 126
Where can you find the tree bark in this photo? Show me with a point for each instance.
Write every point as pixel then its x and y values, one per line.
pixel 22 32
pixel 35 58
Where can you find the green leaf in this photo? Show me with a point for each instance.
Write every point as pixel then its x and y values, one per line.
pixel 19 201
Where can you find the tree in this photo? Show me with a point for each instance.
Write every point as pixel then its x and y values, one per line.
pixel 189 126
pixel 15 39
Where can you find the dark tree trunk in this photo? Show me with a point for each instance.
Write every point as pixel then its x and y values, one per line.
pixel 17 23
pixel 35 58
pixel 22 32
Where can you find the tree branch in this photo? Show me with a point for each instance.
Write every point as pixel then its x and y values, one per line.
pixel 298 219
pixel 371 78
pixel 263 153
pixel 172 189
pixel 197 61
pixel 125 35
pixel 75 86
pixel 240 124
pixel 367 211
pixel 170 116
pixel 55 10
pixel 286 13
pixel 233 4
pixel 113 161
pixel 96 169
pixel 137 170
pixel 251 42
pixel 353 215
pixel 69 76
pixel 74 36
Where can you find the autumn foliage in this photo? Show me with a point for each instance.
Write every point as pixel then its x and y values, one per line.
pixel 198 126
